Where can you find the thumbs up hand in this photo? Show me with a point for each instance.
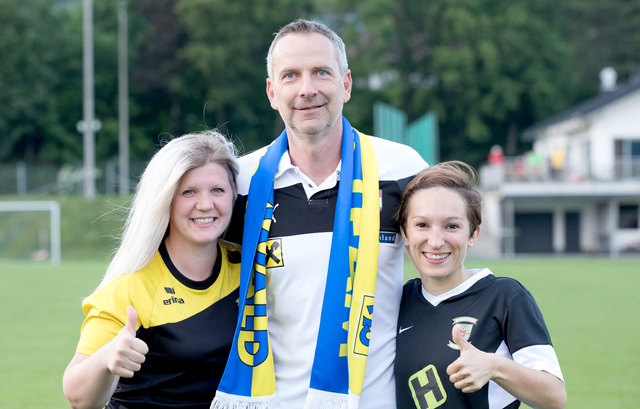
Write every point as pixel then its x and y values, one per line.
pixel 126 352
pixel 473 369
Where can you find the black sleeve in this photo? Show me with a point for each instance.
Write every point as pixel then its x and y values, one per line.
pixel 524 325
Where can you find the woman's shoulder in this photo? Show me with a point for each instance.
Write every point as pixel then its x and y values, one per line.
pixel 133 283
pixel 412 286
pixel 231 250
pixel 138 289
pixel 509 283
pixel 507 288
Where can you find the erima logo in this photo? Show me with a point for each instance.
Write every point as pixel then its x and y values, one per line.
pixel 173 299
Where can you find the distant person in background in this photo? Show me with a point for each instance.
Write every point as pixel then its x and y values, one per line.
pixel 558 158
pixel 159 327
pixel 466 339
pixel 495 171
pixel 496 155
pixel 535 165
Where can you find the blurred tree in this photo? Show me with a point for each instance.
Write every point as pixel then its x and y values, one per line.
pixel 501 67
pixel 487 69
pixel 158 36
pixel 41 78
pixel 602 34
pixel 37 55
pixel 63 143
pixel 226 67
pixel 105 50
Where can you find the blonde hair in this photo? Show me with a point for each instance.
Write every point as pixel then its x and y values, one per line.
pixel 148 218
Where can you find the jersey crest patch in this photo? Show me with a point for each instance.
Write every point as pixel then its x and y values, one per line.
pixel 274 253
pixel 466 325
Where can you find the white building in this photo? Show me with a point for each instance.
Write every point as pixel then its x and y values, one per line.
pixel 578 190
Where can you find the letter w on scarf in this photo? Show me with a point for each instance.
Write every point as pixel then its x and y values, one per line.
pixel 343 339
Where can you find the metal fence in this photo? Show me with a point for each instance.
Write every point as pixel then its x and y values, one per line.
pixel 519 169
pixel 23 178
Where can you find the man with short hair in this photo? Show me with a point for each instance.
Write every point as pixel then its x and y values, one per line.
pixel 330 260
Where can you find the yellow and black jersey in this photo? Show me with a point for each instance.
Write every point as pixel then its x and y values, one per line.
pixel 188 326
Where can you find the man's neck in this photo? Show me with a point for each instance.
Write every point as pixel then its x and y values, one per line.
pixel 319 160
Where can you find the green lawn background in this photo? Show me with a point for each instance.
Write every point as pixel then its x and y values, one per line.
pixel 591 306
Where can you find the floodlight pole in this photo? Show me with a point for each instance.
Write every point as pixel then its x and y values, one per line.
pixel 123 99
pixel 88 125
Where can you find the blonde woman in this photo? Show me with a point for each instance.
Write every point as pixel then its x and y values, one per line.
pixel 159 326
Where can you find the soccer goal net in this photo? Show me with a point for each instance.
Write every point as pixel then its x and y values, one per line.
pixel 30 230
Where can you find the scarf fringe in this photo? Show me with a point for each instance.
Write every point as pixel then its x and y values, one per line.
pixel 336 403
pixel 317 399
pixel 226 401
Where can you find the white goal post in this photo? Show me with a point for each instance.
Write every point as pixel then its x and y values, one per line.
pixel 50 206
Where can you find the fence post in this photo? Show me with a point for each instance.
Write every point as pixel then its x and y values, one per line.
pixel 109 178
pixel 21 178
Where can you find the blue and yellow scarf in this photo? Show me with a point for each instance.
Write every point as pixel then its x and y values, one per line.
pixel 343 339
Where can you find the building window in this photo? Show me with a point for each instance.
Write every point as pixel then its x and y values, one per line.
pixel 629 216
pixel 627 161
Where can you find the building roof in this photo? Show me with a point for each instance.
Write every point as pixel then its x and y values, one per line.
pixel 584 108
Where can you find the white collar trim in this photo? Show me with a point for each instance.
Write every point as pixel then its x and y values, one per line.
pixel 476 275
pixel 286 167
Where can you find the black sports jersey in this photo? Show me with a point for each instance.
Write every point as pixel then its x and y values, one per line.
pixel 188 326
pixel 497 314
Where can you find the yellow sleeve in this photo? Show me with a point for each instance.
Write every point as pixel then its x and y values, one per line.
pixel 105 315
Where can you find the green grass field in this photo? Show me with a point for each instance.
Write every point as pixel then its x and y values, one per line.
pixel 591 307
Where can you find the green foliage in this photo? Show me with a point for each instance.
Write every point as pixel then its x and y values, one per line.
pixel 105 50
pixel 487 69
pixel 157 37
pixel 226 50
pixel 483 67
pixel 602 34
pixel 35 54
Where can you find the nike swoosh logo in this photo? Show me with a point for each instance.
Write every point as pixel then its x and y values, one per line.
pixel 404 329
